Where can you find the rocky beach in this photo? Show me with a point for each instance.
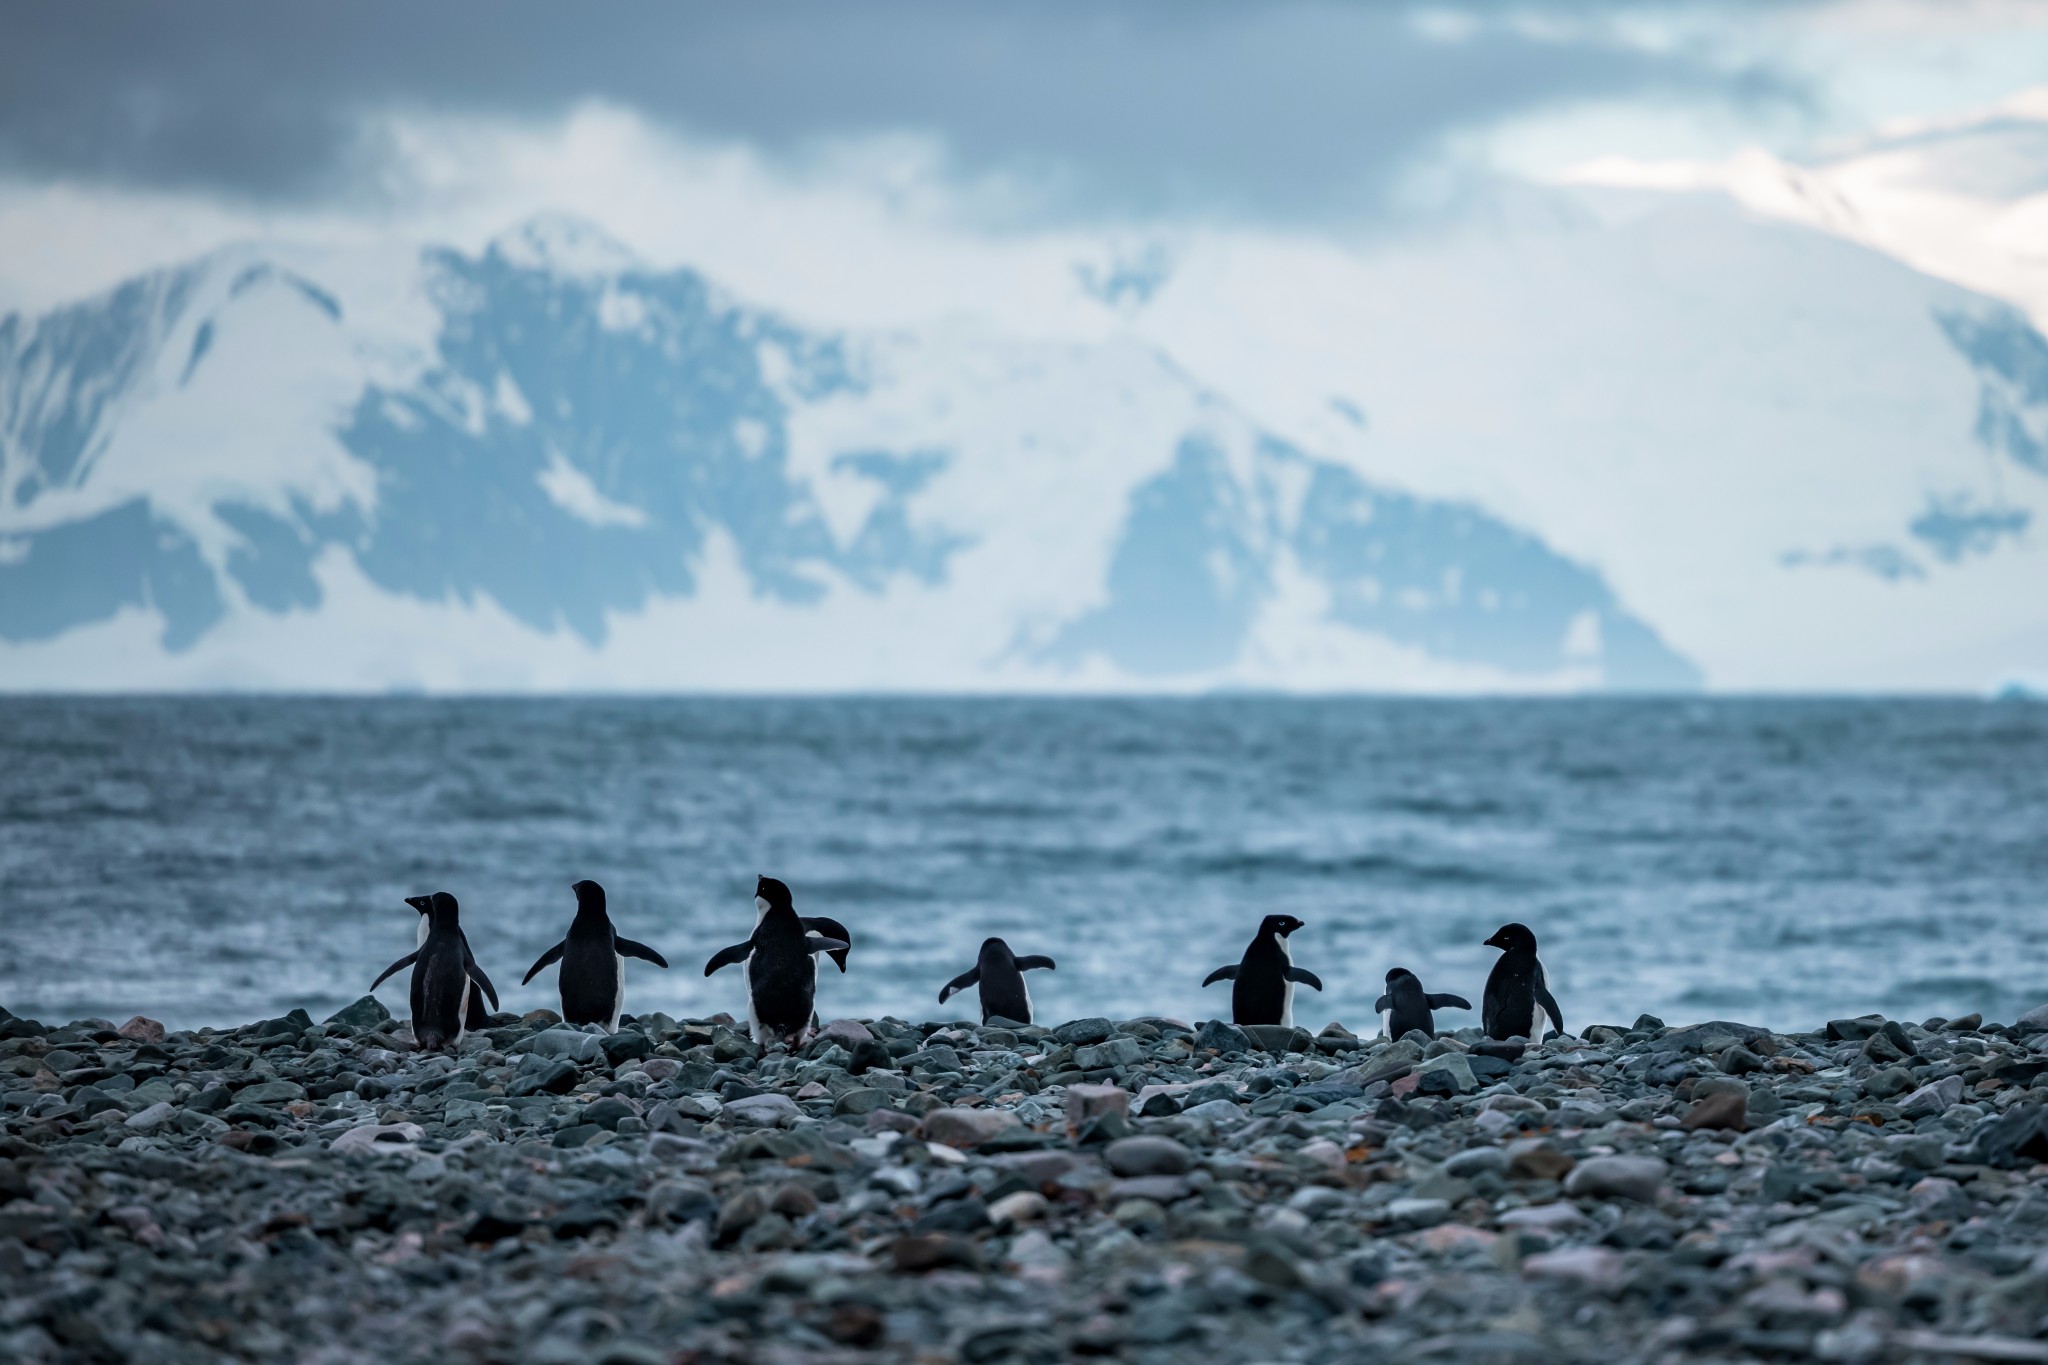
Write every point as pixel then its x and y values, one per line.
pixel 1146 1190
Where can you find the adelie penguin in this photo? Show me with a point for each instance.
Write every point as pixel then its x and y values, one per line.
pixel 1000 973
pixel 593 958
pixel 444 978
pixel 780 964
pixel 1265 976
pixel 1518 1003
pixel 479 1017
pixel 1406 1007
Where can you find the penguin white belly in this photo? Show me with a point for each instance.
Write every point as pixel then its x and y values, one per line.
pixel 1028 1008
pixel 1286 983
pixel 1387 1024
pixel 753 1015
pixel 618 991
pixel 810 1028
pixel 421 941
pixel 1538 1022
pixel 462 1011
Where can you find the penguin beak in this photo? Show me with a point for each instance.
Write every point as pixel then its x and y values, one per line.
pixel 1495 942
pixel 419 903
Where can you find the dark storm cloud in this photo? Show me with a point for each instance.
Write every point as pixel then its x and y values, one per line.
pixel 1282 106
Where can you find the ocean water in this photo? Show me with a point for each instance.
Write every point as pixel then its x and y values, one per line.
pixel 217 860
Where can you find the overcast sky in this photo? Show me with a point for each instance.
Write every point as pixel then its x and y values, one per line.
pixel 1280 109
pixel 137 134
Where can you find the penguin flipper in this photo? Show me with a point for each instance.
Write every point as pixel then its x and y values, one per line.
pixel 1384 1003
pixel 961 982
pixel 1034 962
pixel 831 928
pixel 1305 977
pixel 1448 1002
pixel 629 948
pixel 1549 1003
pixel 1221 974
pixel 553 954
pixel 476 974
pixel 405 961
pixel 729 957
pixel 817 943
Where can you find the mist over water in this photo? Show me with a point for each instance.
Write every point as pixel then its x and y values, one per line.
pixel 217 860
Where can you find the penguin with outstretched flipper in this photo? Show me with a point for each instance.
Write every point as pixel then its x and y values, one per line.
pixel 593 957
pixel 1265 976
pixel 1000 973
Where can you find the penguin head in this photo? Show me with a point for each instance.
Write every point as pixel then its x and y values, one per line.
pixel 773 895
pixel 1515 938
pixel 589 897
pixel 994 947
pixel 423 904
pixel 441 909
pixel 1399 976
pixel 1283 925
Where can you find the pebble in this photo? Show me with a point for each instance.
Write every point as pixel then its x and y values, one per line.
pixel 1617 1177
pixel 1140 1156
pixel 281 1191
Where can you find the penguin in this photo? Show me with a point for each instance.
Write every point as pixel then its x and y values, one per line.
pixel 593 958
pixel 479 1017
pixel 780 964
pixel 444 977
pixel 1518 1003
pixel 1265 976
pixel 1001 974
pixel 1405 1008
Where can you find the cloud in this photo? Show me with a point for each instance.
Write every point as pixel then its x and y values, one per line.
pixel 1282 108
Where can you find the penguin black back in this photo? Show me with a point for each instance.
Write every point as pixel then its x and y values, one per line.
pixel 1518 1003
pixel 592 980
pixel 1406 1007
pixel 1265 976
pixel 443 976
pixel 1000 974
pixel 479 1017
pixel 780 963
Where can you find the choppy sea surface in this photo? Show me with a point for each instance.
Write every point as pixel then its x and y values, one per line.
pixel 217 860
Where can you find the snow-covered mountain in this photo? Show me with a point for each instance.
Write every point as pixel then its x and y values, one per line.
pixel 586 472
pixel 1626 443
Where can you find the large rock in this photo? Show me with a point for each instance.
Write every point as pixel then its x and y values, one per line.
pixel 378 1137
pixel 1277 1038
pixel 1617 1177
pixel 1217 1036
pixel 151 1118
pixel 368 1012
pixel 847 1033
pixel 1139 1156
pixel 1537 1159
pixel 1085 1102
pixel 965 1128
pixel 1447 1073
pixel 1081 1032
pixel 1929 1100
pixel 270 1092
pixel 1114 1052
pixel 1724 1111
pixel 565 1043
pixel 764 1111
pixel 142 1030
